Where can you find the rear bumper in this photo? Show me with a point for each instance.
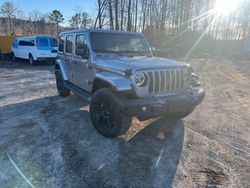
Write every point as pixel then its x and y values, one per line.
pixel 157 106
pixel 46 59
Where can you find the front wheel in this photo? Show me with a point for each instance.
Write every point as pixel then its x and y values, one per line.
pixel 106 114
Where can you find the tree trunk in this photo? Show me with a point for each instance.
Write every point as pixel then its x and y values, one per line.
pixel 116 15
pixel 129 25
pixel 136 12
pixel 163 14
pixel 122 14
pixel 111 20
pixel 145 3
pixel 10 27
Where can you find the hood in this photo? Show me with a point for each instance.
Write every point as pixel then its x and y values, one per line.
pixel 120 63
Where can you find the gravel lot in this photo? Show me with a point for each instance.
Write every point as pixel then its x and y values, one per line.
pixel 49 141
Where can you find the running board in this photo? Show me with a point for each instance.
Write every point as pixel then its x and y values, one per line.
pixel 79 91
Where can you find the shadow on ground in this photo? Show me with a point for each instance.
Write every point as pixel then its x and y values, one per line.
pixel 53 142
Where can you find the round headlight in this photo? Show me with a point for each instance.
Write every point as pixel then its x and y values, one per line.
pixel 141 79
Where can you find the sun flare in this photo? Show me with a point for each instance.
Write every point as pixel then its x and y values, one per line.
pixel 226 7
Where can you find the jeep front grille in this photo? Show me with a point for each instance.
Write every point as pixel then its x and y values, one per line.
pixel 165 81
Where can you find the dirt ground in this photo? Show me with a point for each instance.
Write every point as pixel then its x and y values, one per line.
pixel 49 141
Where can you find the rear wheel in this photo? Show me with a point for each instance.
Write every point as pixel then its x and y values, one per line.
pixel 106 114
pixel 61 89
pixel 31 59
pixel 13 57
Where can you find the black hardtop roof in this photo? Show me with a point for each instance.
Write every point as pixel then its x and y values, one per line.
pixel 95 30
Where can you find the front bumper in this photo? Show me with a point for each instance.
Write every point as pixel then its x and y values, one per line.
pixel 157 106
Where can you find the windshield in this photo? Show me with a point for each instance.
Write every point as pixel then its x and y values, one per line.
pixel 119 43
pixel 53 42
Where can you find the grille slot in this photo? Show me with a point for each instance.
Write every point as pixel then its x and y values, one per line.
pixel 165 81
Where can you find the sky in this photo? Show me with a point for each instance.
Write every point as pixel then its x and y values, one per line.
pixel 67 7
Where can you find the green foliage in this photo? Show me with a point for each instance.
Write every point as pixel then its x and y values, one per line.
pixel 81 20
pixel 56 17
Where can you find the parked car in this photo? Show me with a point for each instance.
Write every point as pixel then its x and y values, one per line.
pixel 35 48
pixel 116 72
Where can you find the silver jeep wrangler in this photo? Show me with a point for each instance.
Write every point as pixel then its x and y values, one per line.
pixel 116 72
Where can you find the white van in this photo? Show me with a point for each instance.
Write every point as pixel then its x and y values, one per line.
pixel 35 48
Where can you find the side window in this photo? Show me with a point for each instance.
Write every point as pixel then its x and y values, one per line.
pixel 26 42
pixel 21 43
pixel 69 44
pixel 43 42
pixel 81 48
pixel 61 44
pixel 31 42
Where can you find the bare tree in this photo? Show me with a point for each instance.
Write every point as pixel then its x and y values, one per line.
pixel 116 15
pixel 129 24
pixel 8 10
pixel 122 14
pixel 111 19
pixel 36 16
pixel 100 17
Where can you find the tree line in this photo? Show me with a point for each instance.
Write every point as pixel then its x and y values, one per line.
pixel 173 17
pixel 151 17
pixel 14 21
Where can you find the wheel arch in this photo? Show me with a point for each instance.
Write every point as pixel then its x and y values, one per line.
pixel 116 82
pixel 99 83
pixel 59 65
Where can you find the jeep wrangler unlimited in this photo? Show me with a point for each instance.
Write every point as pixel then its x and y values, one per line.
pixel 116 72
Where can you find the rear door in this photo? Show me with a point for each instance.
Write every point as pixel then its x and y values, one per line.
pixel 69 55
pixel 82 69
pixel 20 50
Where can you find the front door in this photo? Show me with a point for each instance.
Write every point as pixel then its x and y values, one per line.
pixel 82 69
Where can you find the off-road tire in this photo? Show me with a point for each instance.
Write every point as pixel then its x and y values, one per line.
pixel 31 59
pixel 106 114
pixel 60 85
pixel 13 57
